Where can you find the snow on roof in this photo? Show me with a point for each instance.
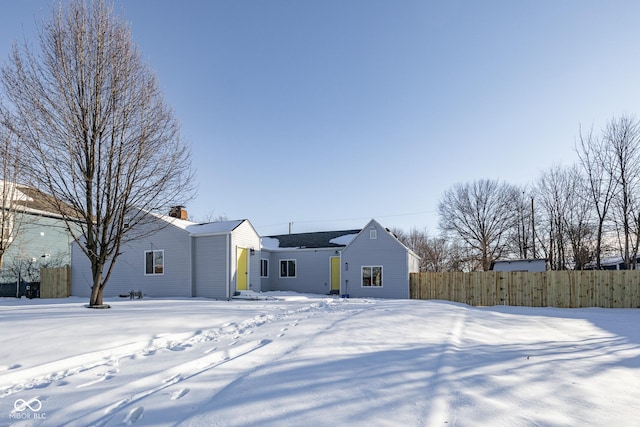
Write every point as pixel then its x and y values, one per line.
pixel 269 243
pixel 316 240
pixel 214 227
pixel 273 244
pixel 343 240
pixel 195 228
pixel 180 223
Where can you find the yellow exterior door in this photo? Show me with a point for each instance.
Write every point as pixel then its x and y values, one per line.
pixel 335 273
pixel 242 268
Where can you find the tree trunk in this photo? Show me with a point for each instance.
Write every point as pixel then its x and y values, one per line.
pixel 97 288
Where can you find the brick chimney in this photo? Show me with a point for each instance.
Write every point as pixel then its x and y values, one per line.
pixel 178 212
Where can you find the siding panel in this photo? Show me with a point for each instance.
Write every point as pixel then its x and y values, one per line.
pixel 210 272
pixel 386 251
pixel 129 271
pixel 312 270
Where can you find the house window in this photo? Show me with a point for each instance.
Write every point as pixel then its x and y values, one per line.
pixel 153 262
pixel 264 267
pixel 372 276
pixel 373 234
pixel 287 268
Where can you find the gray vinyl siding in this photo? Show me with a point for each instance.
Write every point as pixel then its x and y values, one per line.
pixel 210 268
pixel 40 241
pixel 385 251
pixel 245 236
pixel 129 271
pixel 312 270
pixel 265 282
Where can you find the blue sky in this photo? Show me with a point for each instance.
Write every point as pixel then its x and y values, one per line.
pixel 329 113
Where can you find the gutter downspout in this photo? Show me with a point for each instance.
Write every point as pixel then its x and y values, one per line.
pixel 227 267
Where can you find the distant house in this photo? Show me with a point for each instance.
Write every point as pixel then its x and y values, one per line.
pixel 36 236
pixel 530 265
pixel 611 263
pixel 220 259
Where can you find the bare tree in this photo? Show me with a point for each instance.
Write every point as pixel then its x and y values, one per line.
pixel 100 136
pixel 482 214
pixel 579 220
pixel 551 190
pixel 434 252
pixel 522 244
pixel 211 216
pixel 567 219
pixel 622 136
pixel 11 207
pixel 437 255
pixel 597 164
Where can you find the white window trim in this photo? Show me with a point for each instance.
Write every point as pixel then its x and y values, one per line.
pixel 295 263
pixel 362 285
pixel 373 234
pixel 266 275
pixel 153 263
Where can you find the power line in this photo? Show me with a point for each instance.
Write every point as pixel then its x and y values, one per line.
pixel 308 221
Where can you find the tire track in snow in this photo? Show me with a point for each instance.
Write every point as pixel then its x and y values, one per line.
pixel 442 392
pixel 269 361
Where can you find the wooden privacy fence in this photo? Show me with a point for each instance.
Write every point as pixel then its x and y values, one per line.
pixel 568 289
pixel 55 282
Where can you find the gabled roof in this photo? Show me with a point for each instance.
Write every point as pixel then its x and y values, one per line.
pixel 31 200
pixel 321 239
pixel 377 225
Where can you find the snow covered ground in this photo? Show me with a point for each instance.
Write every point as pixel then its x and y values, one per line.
pixel 297 360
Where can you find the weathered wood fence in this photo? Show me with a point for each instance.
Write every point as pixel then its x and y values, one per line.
pixel 55 282
pixel 568 289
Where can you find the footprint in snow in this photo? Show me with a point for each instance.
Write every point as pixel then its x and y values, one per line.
pixel 179 394
pixel 43 384
pixel 173 379
pixel 134 415
pixel 179 347
pixel 101 377
pixel 10 367
pixel 119 404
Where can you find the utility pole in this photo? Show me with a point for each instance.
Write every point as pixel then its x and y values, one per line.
pixel 533 230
